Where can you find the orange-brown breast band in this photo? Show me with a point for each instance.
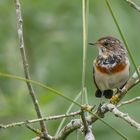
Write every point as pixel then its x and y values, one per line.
pixel 117 68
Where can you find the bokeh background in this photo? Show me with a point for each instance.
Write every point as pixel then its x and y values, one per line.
pixel 53 41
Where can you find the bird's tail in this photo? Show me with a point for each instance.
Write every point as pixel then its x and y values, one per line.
pixel 106 93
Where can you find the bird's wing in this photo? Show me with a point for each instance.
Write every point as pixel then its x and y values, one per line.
pixel 98 93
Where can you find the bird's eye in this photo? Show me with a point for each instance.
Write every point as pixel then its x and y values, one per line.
pixel 106 43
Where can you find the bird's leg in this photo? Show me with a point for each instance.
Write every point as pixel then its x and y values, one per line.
pixel 102 98
pixel 119 90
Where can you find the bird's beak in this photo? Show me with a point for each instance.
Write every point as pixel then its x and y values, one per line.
pixel 96 44
pixel 93 44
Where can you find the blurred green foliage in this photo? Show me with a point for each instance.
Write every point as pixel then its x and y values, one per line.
pixel 53 41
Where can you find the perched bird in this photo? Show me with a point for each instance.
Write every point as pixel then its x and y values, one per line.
pixel 111 67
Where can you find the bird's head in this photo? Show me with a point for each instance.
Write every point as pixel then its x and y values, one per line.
pixel 108 44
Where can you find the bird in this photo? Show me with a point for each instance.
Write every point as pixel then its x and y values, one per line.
pixel 111 68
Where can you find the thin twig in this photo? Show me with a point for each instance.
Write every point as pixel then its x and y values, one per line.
pixel 14 124
pixel 37 131
pixel 129 101
pixel 132 4
pixel 25 65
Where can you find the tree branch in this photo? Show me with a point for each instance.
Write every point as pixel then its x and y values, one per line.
pixel 112 108
pixel 26 69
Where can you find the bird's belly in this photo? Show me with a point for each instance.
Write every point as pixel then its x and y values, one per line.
pixel 111 81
